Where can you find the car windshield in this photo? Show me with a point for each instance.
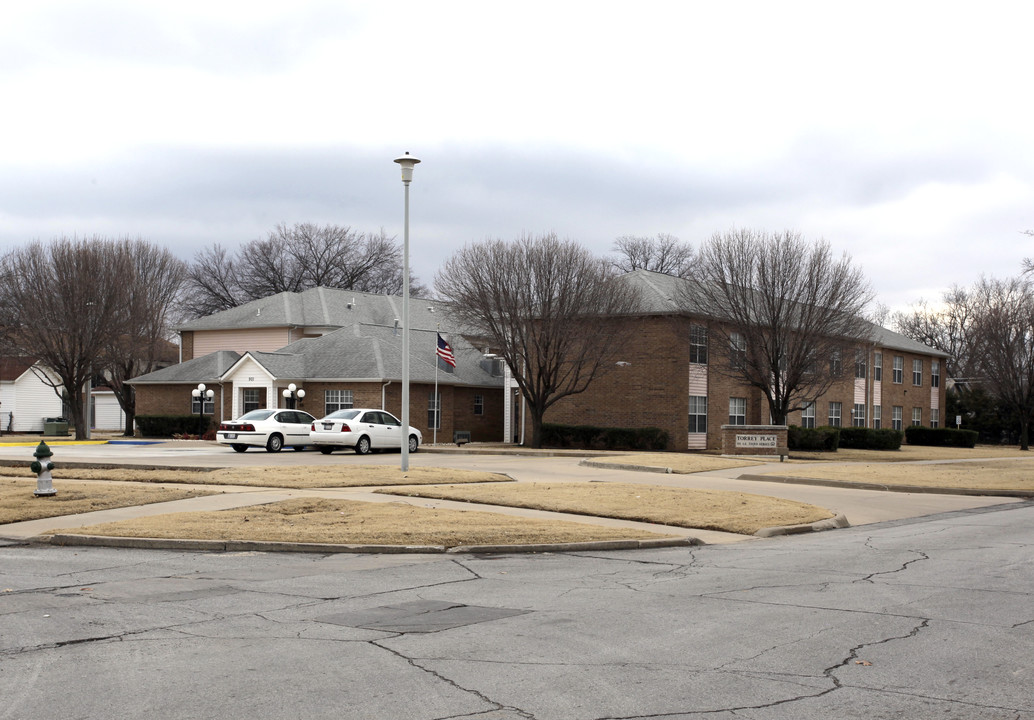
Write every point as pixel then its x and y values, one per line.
pixel 342 415
pixel 256 415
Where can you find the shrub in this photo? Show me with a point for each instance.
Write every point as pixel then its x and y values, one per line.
pixel 591 437
pixel 870 439
pixel 822 439
pixel 169 425
pixel 941 437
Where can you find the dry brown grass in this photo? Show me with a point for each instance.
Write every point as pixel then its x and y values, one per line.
pixel 985 475
pixel 315 520
pixel 18 504
pixel 306 476
pixel 704 509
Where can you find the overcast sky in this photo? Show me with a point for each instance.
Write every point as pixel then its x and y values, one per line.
pixel 901 132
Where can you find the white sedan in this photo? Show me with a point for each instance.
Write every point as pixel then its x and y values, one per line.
pixel 271 429
pixel 362 429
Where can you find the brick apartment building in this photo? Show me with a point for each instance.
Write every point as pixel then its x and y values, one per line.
pixel 668 377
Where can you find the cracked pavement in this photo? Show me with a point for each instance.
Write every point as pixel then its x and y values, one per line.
pixel 932 617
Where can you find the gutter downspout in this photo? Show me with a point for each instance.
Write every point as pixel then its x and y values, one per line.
pixel 383 388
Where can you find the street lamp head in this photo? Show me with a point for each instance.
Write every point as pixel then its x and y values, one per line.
pixel 201 387
pixel 287 393
pixel 301 394
pixel 407 162
pixel 292 387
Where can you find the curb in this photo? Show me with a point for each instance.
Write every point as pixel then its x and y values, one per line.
pixel 271 546
pixel 840 521
pixel 931 490
pixel 627 466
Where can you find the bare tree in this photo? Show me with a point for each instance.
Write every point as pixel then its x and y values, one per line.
pixel 1002 337
pixel 663 254
pixel 945 326
pixel 787 310
pixel 548 305
pixel 293 259
pixel 141 343
pixel 61 302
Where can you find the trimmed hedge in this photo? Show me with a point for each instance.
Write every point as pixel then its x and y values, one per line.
pixel 871 439
pixel 169 425
pixel 941 437
pixel 590 437
pixel 823 439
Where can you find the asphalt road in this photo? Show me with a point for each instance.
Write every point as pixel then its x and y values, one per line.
pixel 924 618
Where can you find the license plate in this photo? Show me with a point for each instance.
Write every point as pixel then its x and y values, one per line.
pixel 328 426
pixel 231 436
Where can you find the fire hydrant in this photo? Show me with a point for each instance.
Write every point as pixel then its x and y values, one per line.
pixel 42 467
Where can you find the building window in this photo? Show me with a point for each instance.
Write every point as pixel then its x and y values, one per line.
pixel 808 415
pixel 737 411
pixel 917 372
pixel 877 367
pixel 698 413
pixel 334 400
pixel 835 410
pixel 899 369
pixel 877 416
pixel 935 374
pixel 858 415
pixel 251 399
pixel 737 351
pixel 836 364
pixel 434 411
pixel 195 406
pixel 917 417
pixel 698 344
pixel 935 418
pixel 895 420
pixel 479 404
pixel 859 365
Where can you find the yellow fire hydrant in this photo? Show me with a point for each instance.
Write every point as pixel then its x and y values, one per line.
pixel 42 467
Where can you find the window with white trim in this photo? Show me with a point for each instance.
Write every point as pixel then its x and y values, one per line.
pixel 737 351
pixel 899 369
pixel 877 416
pixel 858 415
pixel 334 400
pixel 195 405
pixel 917 416
pixel 860 365
pixel 737 411
pixel 835 413
pixel 877 367
pixel 917 372
pixel 935 417
pixel 698 344
pixel 479 404
pixel 434 411
pixel 698 413
pixel 836 364
pixel 808 415
pixel 896 414
pixel 935 373
pixel 251 399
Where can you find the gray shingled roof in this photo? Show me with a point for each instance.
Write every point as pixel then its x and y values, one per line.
pixel 661 293
pixel 207 369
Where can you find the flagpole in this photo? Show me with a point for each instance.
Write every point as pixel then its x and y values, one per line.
pixel 437 403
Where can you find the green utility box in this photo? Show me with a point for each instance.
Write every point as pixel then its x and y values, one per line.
pixel 55 426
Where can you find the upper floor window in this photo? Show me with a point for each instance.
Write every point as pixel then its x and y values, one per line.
pixel 877 366
pixel 917 372
pixel 860 365
pixel 737 351
pixel 935 373
pixel 836 364
pixel 899 369
pixel 698 344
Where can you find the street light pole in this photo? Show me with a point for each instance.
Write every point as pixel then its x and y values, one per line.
pixel 407 162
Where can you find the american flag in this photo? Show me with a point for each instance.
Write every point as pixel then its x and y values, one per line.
pixel 445 351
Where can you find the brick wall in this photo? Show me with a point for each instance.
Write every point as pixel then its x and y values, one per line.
pixel 187 345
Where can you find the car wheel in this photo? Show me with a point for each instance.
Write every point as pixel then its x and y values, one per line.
pixel 275 443
pixel 238 447
pixel 326 449
pixel 413 443
pixel 363 446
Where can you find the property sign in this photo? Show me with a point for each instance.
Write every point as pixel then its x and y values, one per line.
pixel 756 441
